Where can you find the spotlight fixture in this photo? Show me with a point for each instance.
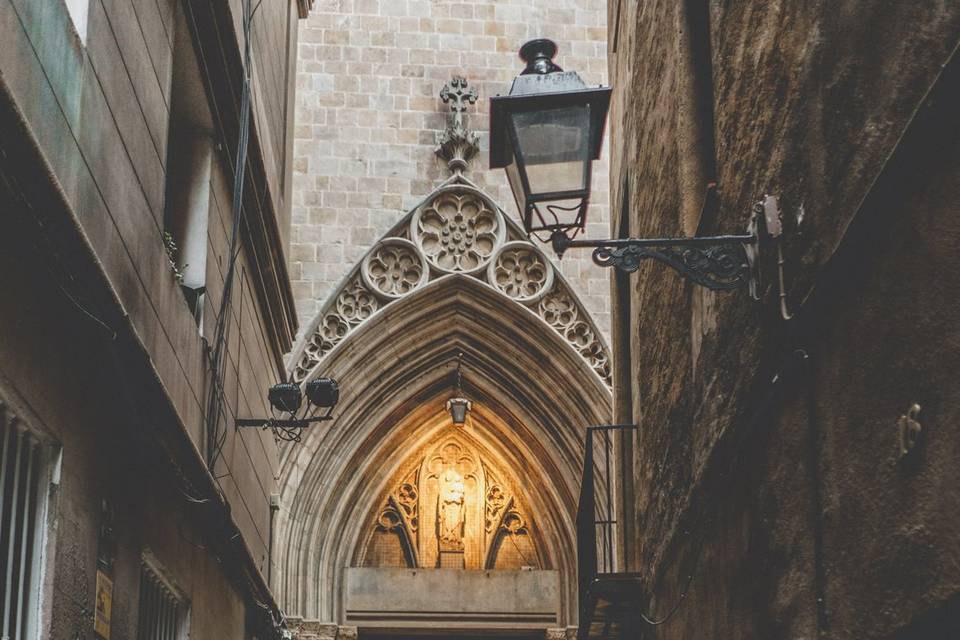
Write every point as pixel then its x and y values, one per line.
pixel 458 405
pixel 287 398
pixel 323 392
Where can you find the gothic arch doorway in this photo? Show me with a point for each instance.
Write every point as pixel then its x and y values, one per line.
pixel 392 519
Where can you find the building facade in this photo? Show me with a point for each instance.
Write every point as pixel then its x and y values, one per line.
pixel 792 472
pixel 405 259
pixel 369 117
pixel 127 511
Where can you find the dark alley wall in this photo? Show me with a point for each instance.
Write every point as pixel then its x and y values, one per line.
pixel 788 501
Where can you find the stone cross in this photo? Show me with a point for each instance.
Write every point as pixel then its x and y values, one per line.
pixel 457 93
pixel 457 145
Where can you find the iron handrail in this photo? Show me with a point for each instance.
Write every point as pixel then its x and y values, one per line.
pixel 596 556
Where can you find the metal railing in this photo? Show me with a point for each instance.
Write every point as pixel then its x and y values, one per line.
pixel 22 496
pixel 597 519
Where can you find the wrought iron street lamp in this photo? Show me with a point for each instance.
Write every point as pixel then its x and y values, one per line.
pixel 287 398
pixel 546 134
pixel 458 405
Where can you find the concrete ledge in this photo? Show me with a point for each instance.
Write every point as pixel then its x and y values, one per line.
pixel 386 598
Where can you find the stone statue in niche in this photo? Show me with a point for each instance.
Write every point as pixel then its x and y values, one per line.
pixel 453 511
pixel 450 515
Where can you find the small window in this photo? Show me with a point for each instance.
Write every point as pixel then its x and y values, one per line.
pixel 163 611
pixel 78 10
pixel 190 153
pixel 24 487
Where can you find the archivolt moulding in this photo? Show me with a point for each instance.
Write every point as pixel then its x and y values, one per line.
pixel 397 369
pixel 457 229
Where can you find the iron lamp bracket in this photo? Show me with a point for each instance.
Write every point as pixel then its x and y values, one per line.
pixel 288 429
pixel 719 263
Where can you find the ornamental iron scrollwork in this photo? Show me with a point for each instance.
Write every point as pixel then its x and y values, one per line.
pixel 721 267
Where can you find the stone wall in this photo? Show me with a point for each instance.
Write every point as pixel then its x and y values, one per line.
pixel 768 463
pixel 368 114
pixel 97 335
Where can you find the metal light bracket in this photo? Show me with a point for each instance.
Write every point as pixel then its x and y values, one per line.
pixel 720 263
pixel 287 429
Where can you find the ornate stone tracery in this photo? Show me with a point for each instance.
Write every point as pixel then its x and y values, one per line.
pixel 457 230
pixel 394 268
pixel 355 303
pixel 521 272
pixel 453 512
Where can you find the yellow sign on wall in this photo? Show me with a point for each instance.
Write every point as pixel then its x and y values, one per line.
pixel 104 606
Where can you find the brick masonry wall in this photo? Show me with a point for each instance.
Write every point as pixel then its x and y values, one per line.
pixel 368 115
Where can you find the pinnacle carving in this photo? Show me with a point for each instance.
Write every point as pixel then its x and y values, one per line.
pixel 458 144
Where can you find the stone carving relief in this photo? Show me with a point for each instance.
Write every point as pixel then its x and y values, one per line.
pixel 352 305
pixel 394 268
pixel 454 512
pixel 456 230
pixel 520 272
pixel 399 517
pixel 560 311
pixel 355 303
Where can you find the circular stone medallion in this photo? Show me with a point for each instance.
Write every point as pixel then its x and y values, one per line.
pixel 458 230
pixel 520 272
pixel 394 268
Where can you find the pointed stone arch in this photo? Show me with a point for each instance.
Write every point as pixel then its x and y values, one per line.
pixel 535 381
pixel 457 229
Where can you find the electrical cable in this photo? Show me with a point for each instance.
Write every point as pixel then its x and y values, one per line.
pixel 216 437
pixel 683 594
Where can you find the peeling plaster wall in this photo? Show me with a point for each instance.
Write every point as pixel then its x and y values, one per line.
pixel 368 114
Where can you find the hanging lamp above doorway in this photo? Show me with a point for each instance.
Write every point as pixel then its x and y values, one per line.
pixel 458 405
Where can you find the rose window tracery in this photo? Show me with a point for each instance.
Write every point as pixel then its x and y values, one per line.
pixel 394 268
pixel 458 231
pixel 521 272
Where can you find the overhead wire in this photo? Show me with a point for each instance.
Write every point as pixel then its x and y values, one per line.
pixel 216 434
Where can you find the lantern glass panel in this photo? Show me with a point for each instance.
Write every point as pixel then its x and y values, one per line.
pixel 458 408
pixel 516 185
pixel 553 146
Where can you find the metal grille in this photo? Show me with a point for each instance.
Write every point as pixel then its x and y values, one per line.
pixel 162 612
pixel 21 495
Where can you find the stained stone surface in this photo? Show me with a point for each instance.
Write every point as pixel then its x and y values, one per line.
pixel 369 113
